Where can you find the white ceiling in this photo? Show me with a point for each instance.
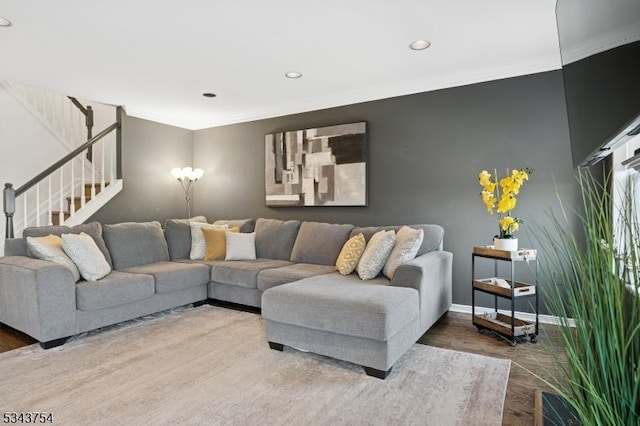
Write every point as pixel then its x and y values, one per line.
pixel 156 57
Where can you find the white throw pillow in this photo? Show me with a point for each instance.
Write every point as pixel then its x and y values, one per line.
pixel 84 252
pixel 198 243
pixel 408 242
pixel 241 246
pixel 376 254
pixel 50 248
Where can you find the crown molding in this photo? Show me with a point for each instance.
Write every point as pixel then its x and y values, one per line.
pixel 601 43
pixel 402 88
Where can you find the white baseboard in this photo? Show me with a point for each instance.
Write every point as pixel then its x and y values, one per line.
pixel 526 316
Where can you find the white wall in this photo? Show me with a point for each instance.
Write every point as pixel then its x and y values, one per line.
pixel 27 147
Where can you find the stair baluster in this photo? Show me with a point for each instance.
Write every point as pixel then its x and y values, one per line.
pixel 38 205
pixel 111 164
pixel 25 207
pixel 50 213
pixel 61 193
pixel 93 180
pixel 72 207
pixel 83 195
pixel 102 143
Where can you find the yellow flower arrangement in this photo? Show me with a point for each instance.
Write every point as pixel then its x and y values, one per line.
pixel 501 197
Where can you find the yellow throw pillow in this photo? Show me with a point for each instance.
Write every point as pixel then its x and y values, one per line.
pixel 350 254
pixel 216 242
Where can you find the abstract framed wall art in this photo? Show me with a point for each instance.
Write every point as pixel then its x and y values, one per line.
pixel 324 166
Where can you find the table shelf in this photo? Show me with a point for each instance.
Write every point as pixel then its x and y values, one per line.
pixel 488 285
pixel 502 324
pixel 506 326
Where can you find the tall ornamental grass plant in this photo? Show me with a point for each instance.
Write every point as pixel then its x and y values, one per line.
pixel 590 278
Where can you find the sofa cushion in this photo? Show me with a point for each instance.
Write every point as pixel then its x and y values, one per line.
pixel 84 252
pixel 319 242
pixel 343 304
pixel 275 238
pixel 376 254
pixel 135 243
pixel 433 235
pixel 94 229
pixel 243 273
pixel 117 288
pixel 173 276
pixel 272 277
pixel 177 232
pixel 245 225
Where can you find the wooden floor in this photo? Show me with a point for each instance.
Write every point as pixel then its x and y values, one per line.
pixel 455 331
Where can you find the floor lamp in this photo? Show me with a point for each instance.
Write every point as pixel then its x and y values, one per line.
pixel 187 177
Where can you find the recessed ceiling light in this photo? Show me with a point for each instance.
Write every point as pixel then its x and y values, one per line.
pixel 419 45
pixel 293 74
pixel 209 95
pixel 4 22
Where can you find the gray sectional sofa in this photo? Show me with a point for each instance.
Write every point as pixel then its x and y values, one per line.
pixel 306 304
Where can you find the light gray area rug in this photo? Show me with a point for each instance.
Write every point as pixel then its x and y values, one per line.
pixel 212 366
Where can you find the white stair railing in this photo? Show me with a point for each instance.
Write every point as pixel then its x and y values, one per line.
pixel 63 183
pixel 57 110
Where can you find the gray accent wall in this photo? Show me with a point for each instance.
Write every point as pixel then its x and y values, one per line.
pixel 149 151
pixel 424 154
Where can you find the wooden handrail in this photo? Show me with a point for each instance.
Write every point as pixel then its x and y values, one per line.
pixel 30 184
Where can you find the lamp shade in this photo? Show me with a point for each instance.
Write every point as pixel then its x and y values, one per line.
pixel 197 173
pixel 177 172
pixel 187 173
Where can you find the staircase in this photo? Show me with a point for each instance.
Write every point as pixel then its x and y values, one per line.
pixel 78 203
pixel 72 189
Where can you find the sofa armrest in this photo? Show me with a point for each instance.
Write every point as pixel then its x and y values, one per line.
pixel 430 274
pixel 37 297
